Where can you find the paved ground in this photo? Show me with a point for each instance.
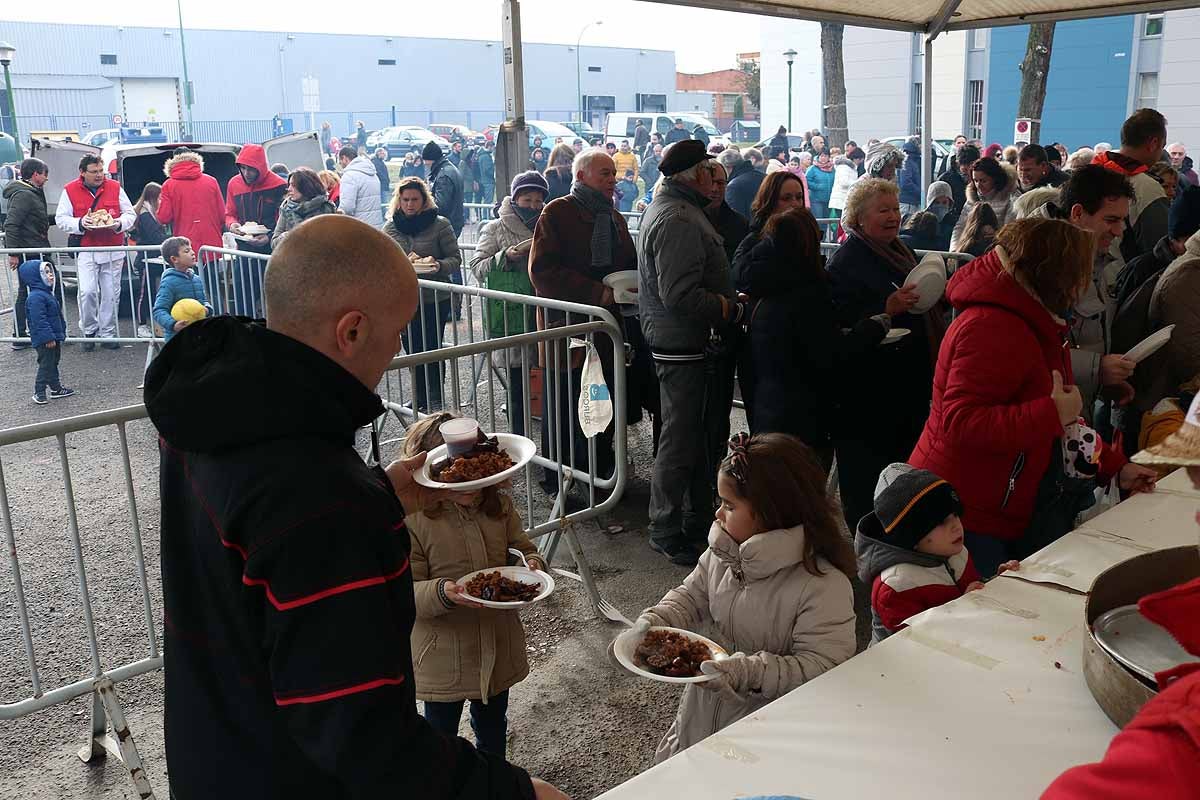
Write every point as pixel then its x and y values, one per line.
pixel 577 720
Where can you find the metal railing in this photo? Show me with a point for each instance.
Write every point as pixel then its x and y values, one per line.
pixel 492 362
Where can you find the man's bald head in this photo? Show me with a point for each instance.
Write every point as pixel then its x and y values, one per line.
pixel 328 275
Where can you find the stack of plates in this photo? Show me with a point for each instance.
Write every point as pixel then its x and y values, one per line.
pixel 1151 344
pixel 624 285
pixel 928 278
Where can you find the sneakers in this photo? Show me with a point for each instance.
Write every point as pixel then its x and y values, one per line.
pixel 89 346
pixel 40 398
pixel 677 551
pixel 111 345
pixel 144 332
pixel 60 392
pixel 21 345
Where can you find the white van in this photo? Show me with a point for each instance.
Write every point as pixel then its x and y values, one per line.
pixel 135 165
pixel 621 125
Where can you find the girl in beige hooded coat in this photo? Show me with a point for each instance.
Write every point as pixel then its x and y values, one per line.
pixel 461 650
pixel 774 586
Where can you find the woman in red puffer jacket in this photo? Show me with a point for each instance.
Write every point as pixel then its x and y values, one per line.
pixel 191 202
pixel 998 406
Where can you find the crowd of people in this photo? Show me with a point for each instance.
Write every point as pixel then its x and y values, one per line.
pixel 947 419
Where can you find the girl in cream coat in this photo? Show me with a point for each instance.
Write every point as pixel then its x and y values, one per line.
pixel 773 588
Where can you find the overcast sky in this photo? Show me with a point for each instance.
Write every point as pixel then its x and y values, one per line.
pixel 702 40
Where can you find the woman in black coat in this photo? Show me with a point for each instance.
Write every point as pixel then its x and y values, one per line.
pixel 795 343
pixel 883 398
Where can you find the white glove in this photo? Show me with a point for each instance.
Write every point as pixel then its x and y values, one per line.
pixel 737 672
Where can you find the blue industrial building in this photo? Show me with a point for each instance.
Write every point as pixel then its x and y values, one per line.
pixel 1088 92
pixel 77 77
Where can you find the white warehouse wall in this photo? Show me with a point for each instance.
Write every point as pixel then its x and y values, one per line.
pixel 804 37
pixel 949 84
pixel 1177 81
pixel 878 82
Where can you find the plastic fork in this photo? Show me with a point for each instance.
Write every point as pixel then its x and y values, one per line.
pixel 611 612
pixel 520 555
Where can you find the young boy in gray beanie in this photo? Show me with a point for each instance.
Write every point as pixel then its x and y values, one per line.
pixel 910 549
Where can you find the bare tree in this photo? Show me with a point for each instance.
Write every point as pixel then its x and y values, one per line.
pixel 1035 69
pixel 836 126
pixel 752 81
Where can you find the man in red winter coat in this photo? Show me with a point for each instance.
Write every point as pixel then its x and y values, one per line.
pixel 254 195
pixel 1157 755
pixel 191 202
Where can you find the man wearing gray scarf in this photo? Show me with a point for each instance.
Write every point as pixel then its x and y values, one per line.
pixel 691 317
pixel 579 239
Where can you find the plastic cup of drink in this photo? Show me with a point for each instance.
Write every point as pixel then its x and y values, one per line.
pixel 460 435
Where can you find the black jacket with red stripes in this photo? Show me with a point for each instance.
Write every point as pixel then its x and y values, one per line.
pixel 286 585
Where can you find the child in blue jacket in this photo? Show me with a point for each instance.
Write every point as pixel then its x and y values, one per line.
pixel 177 283
pixel 47 331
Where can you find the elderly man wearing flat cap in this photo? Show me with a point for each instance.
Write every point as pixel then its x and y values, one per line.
pixel 690 315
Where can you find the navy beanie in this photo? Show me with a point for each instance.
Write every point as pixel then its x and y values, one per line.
pixel 432 152
pixel 530 179
pixel 913 505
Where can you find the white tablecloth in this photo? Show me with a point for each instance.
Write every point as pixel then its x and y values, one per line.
pixel 982 698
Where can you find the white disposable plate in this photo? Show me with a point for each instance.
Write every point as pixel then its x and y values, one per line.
pixel 1141 645
pixel 254 230
pixel 519 449
pixel 621 283
pixel 1150 345
pixel 515 574
pixel 245 237
pixel 91 227
pixel 625 645
pixel 425 269
pixel 929 281
pixel 894 335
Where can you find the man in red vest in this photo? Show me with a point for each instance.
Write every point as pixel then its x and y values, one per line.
pixel 99 273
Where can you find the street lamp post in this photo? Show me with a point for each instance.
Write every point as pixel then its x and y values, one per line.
pixel 790 55
pixel 187 84
pixel 578 74
pixel 7 51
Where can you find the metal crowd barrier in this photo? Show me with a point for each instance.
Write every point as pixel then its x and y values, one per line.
pixel 953 260
pixel 502 358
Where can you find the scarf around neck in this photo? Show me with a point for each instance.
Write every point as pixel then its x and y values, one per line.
pixel 603 228
pixel 411 226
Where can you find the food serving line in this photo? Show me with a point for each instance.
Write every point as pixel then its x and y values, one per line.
pixel 984 696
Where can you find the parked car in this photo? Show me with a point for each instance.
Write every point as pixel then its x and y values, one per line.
pixel 404 139
pixel 583 129
pixel 102 137
pixel 549 131
pixel 621 125
pixel 795 142
pixel 135 165
pixel 457 133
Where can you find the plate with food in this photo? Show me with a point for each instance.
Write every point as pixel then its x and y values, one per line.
pixel 253 229
pixel 624 285
pixel 490 460
pixel 100 218
pixel 670 655
pixel 507 587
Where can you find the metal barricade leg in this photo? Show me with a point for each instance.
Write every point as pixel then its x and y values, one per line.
pixel 106 708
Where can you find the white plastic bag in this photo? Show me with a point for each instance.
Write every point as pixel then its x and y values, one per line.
pixel 1107 497
pixel 595 401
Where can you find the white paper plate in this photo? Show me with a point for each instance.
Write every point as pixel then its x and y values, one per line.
pixel 425 269
pixel 1150 345
pixel 90 227
pixel 244 238
pixel 929 280
pixel 625 645
pixel 1139 644
pixel 894 335
pixel 622 283
pixel 515 574
pixel 254 230
pixel 519 449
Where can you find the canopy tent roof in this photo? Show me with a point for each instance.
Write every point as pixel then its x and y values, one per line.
pixel 935 16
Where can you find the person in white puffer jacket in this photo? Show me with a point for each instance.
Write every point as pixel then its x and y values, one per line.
pixel 845 173
pixel 359 188
pixel 773 588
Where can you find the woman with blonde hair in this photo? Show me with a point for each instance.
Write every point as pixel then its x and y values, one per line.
pixel 883 397
pixel 429 241
pixel 1004 393
pixel 332 183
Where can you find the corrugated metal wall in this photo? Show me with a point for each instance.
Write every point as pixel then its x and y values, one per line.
pixel 253 75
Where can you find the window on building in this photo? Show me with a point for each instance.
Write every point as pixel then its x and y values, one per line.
pixel 593 69
pixel 387 62
pixel 728 104
pixel 917 114
pixel 1147 96
pixel 975 110
pixel 977 38
pixel 108 58
pixel 1154 25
